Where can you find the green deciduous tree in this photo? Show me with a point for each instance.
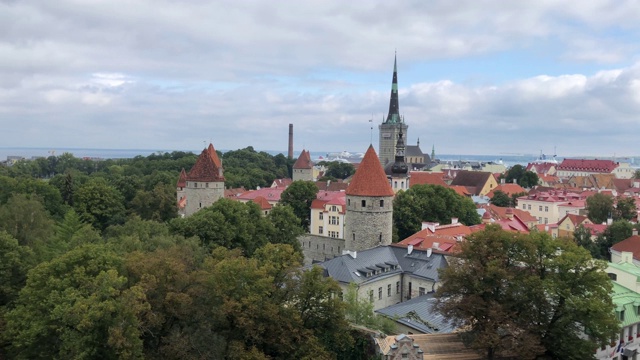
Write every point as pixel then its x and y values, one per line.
pixel 528 296
pixel 430 203
pixel 524 178
pixel 26 220
pixel 360 312
pixel 286 226
pixel 77 307
pixel 625 208
pixel 159 204
pixel 582 237
pixel 339 170
pixel 613 234
pixel 299 195
pixel 99 204
pixel 15 261
pixel 227 223
pixel 599 207
pixel 500 198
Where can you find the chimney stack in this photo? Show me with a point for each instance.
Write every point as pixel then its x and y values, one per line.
pixel 290 141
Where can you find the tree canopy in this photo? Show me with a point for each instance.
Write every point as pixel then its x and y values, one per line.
pixel 528 296
pixel 501 199
pixel 430 203
pixel 299 195
pixel 524 178
pixel 599 207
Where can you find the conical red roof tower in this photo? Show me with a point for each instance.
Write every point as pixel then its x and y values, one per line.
pixel 370 179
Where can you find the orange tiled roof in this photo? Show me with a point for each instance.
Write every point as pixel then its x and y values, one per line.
pixel 182 180
pixel 461 190
pixel 425 177
pixel 207 168
pixel 262 202
pixel 304 161
pixel 508 189
pixel 370 179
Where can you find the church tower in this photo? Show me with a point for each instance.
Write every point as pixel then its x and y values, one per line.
pixel 397 171
pixel 204 184
pixel 369 215
pixel 393 125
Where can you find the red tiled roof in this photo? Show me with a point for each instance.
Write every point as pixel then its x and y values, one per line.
pixel 332 185
pixel 631 244
pixel 262 202
pixel 460 190
pixel 182 180
pixel 540 168
pixel 232 193
pixel 271 194
pixel 475 180
pixel 574 218
pixel 282 182
pixel 498 213
pixel 596 229
pixel 425 177
pixel 370 179
pixel 214 155
pixel 604 166
pixel 304 161
pixel 207 168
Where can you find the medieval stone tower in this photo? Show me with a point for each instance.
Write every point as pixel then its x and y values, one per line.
pixel 393 125
pixel 369 215
pixel 303 167
pixel 203 185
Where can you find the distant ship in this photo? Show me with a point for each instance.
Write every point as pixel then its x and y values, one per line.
pixel 343 156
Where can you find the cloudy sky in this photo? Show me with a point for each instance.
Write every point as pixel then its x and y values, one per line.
pixel 475 77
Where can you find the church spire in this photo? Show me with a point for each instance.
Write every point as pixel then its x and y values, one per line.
pixel 400 166
pixel 394 107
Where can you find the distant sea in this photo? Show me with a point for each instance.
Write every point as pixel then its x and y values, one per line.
pixel 29 153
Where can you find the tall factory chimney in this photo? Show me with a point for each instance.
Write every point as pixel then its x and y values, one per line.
pixel 290 141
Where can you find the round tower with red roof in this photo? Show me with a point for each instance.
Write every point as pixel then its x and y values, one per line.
pixel 369 215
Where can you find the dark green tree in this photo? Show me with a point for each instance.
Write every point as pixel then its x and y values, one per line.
pixel 430 203
pixel 625 208
pixel 77 307
pixel 15 261
pixel 524 178
pixel 26 220
pixel 287 226
pixel 339 170
pixel 613 234
pixel 599 207
pixel 299 195
pixel 528 296
pixel 501 199
pixel 99 204
pixel 582 237
pixel 227 223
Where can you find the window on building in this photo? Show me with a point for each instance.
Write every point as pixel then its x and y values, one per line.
pixel 421 291
pixel 546 220
pixel 622 317
pixel 529 207
pixel 353 236
pixel 397 287
pixel 540 208
pixel 381 203
pixel 546 209
pixel 321 217
pixel 195 184
pixel 395 184
pixel 364 203
pixel 334 208
pixel 349 202
pixel 320 230
pixel 388 290
pixel 206 185
pixel 380 293
pixel 613 276
pixel 370 295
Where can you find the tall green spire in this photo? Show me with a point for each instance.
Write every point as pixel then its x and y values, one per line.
pixel 394 107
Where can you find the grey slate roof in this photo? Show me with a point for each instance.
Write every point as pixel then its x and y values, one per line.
pixel 418 313
pixel 383 261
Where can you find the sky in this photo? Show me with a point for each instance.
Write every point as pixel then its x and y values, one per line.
pixel 475 77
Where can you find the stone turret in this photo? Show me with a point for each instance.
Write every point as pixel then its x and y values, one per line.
pixel 369 215
pixel 303 167
pixel 204 184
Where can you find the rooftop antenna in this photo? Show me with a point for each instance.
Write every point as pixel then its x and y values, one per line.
pixel 371 125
